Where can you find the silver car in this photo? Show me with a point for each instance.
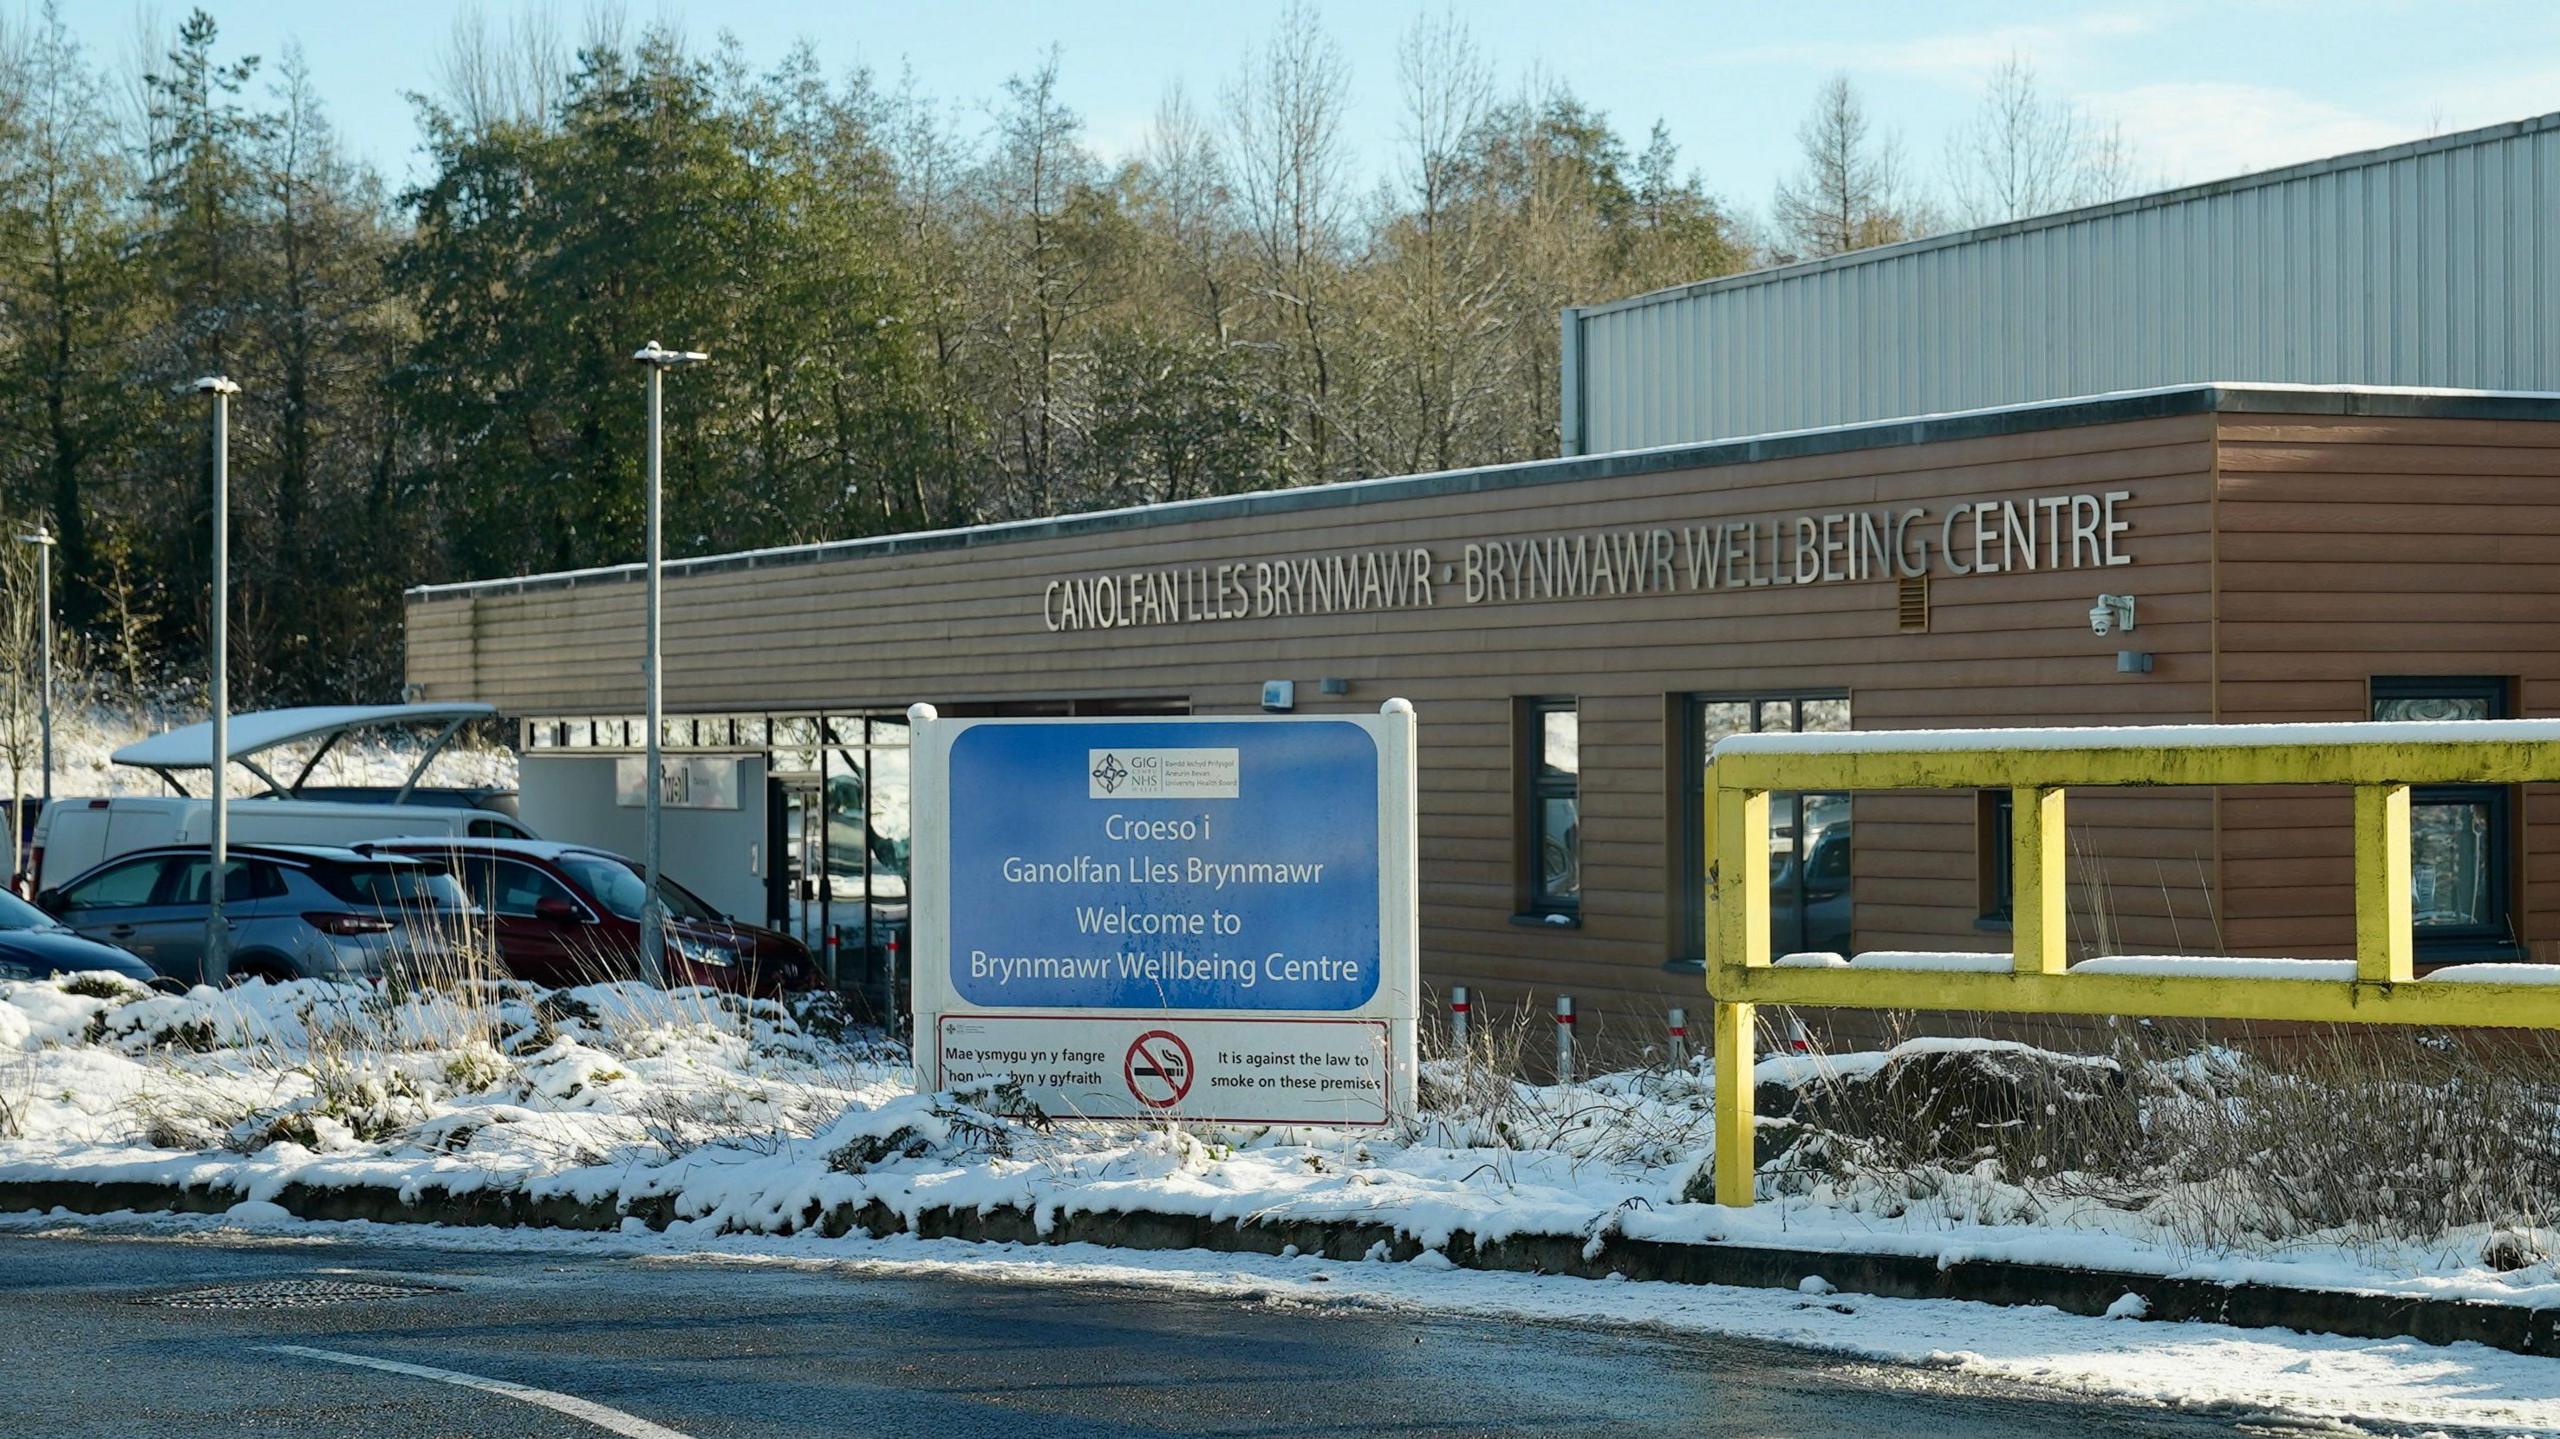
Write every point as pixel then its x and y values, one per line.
pixel 294 911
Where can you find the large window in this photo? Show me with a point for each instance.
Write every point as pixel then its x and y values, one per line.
pixel 2461 836
pixel 1809 834
pixel 1551 792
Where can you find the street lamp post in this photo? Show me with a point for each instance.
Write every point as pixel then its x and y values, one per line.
pixel 42 539
pixel 217 934
pixel 653 910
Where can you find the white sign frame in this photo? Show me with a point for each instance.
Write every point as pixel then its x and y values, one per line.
pixel 1386 1025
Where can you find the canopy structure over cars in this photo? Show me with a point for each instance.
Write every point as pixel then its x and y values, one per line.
pixel 190 747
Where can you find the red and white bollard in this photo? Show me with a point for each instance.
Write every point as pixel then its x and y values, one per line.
pixel 1679 1045
pixel 1564 1039
pixel 1458 1018
pixel 1799 1039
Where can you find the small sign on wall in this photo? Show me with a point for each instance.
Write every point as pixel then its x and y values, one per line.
pixel 690 781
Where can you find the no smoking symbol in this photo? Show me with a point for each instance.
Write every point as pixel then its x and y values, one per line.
pixel 1158 1069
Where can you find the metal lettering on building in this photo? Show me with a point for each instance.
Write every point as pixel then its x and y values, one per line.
pixel 1978 537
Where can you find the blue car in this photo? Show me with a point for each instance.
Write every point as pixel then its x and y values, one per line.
pixel 35 945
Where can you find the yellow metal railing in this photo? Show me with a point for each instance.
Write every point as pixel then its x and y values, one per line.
pixel 2037 767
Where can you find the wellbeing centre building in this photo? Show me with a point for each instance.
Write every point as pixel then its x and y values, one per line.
pixel 2279 448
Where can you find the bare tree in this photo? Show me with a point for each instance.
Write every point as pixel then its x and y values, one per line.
pixel 1187 189
pixel 930 164
pixel 487 79
pixel 1284 112
pixel 1851 192
pixel 2027 153
pixel 1036 174
pixel 1445 297
pixel 21 656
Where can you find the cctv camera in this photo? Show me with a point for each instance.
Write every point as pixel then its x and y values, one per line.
pixel 2101 618
pixel 2111 613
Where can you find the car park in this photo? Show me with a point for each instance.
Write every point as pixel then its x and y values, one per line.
pixel 570 914
pixel 35 945
pixel 293 911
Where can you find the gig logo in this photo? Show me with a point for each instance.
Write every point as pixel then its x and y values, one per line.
pixel 1161 774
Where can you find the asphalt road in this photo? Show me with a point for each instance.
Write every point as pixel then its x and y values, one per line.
pixel 91 1344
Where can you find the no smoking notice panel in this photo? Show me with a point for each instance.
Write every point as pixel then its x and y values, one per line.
pixel 1206 919
pixel 1259 1071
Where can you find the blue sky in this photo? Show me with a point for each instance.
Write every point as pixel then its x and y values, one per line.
pixel 2202 89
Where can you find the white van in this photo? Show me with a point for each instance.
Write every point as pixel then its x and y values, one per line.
pixel 78 833
pixel 74 834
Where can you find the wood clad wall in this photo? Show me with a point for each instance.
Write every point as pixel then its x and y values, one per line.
pixel 964 624
pixel 2357 547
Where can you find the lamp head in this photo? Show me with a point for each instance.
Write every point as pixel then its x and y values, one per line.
pixel 665 359
pixel 42 536
pixel 215 385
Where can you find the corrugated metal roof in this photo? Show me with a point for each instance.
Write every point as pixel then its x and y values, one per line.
pixel 2426 264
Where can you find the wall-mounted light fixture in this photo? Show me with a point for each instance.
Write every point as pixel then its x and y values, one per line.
pixel 1279 696
pixel 1334 687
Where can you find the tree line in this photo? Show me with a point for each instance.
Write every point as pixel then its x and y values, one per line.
pixel 922 313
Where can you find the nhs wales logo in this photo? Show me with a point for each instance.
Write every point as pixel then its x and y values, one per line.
pixel 1161 774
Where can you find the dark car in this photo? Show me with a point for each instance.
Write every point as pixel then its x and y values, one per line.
pixel 294 911
pixel 33 945
pixel 564 914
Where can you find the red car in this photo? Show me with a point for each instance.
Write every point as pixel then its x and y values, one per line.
pixel 567 914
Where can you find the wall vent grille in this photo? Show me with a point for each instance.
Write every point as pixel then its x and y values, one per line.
pixel 1911 605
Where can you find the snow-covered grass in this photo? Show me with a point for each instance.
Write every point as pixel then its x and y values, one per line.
pixel 2423 1170
pixel 513 1081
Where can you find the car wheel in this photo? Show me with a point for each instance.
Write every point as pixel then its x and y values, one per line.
pixel 272 971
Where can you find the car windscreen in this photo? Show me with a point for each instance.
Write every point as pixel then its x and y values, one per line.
pixel 392 886
pixel 16 913
pixel 617 887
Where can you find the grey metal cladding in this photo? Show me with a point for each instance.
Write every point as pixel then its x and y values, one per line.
pixel 2428 264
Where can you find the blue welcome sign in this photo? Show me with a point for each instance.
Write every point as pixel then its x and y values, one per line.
pixel 1190 865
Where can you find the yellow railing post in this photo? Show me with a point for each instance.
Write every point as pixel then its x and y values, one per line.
pixel 2035 880
pixel 1738 839
pixel 2383 927
pixel 1741 934
pixel 1737 1113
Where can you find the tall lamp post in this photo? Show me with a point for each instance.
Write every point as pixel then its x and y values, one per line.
pixel 217 933
pixel 653 909
pixel 42 539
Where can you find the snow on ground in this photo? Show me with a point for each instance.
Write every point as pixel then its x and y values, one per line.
pixel 2396 1386
pixel 746 1115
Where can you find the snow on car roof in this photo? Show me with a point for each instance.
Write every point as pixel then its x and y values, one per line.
pixel 191 746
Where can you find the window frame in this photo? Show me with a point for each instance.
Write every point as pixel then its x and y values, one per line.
pixel 1688 883
pixel 1995 830
pixel 2503 937
pixel 1535 787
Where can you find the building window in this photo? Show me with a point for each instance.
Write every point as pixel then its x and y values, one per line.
pixel 1551 791
pixel 1993 816
pixel 1809 835
pixel 2461 836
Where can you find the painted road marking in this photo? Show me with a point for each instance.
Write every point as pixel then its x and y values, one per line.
pixel 601 1416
